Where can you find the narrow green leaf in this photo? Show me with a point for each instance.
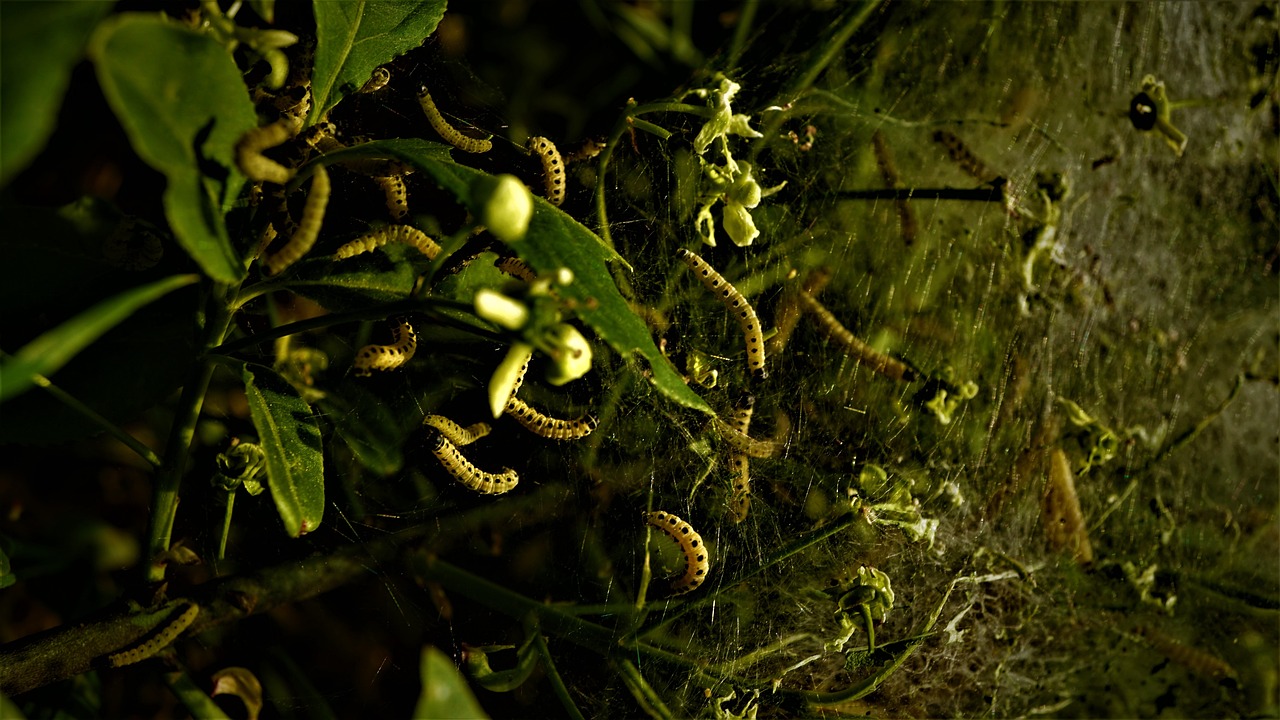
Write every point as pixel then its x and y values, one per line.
pixel 198 703
pixel 353 38
pixel 288 431
pixel 180 98
pixel 554 240
pixel 39 45
pixel 383 276
pixel 444 691
pixel 52 350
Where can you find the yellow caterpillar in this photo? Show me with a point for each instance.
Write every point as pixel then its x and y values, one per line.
pixel 396 193
pixel 696 563
pixel 740 499
pixel 388 357
pixel 161 640
pixel 465 472
pixel 257 166
pixel 552 168
pixel 737 304
pixel 454 432
pixel 860 351
pixel 549 427
pixel 406 234
pixel 447 131
pixel 301 240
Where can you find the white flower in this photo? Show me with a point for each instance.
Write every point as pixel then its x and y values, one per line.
pixel 571 352
pixel 501 310
pixel 503 383
pixel 506 205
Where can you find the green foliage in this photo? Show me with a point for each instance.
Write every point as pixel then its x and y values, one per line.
pixel 39 45
pixel 182 101
pixel 290 436
pixel 444 690
pixel 353 38
pixel 49 352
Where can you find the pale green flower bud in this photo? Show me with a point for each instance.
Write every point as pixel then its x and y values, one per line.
pixel 571 352
pixel 503 383
pixel 501 310
pixel 505 206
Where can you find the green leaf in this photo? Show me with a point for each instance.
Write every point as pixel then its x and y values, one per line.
pixel 444 691
pixel 288 431
pixel 52 350
pixel 39 45
pixel 188 691
pixel 353 38
pixel 7 577
pixel 383 276
pixel 180 98
pixel 554 240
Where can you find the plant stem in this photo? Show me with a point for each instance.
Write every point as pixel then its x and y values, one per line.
pixel 981 194
pixel 553 675
pixel 625 122
pixel 164 505
pixel 746 18
pixel 111 428
pixel 641 690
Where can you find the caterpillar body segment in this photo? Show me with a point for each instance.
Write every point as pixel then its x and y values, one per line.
pixel 789 309
pixel 516 267
pixel 746 444
pixel 738 306
pixel 446 131
pixel 406 234
pixel 253 163
pixel 455 433
pixel 304 236
pixel 546 426
pixel 388 357
pixel 378 80
pixel 1197 661
pixel 552 168
pixel 740 498
pixel 879 362
pixel 397 195
pixel 697 562
pixel 964 157
pixel 462 469
pixel 161 640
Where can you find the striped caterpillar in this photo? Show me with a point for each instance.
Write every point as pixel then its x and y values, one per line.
pixel 301 240
pixel 465 472
pixel 253 163
pixel 447 131
pixel 748 445
pixel 378 80
pixel 1197 661
pixel 789 309
pixel 388 357
pixel 549 427
pixel 879 362
pixel 397 196
pixel 740 499
pixel 690 542
pixel 516 267
pixel 552 168
pixel 962 156
pixel 161 640
pixel 889 172
pixel 737 304
pixel 406 234
pixel 455 433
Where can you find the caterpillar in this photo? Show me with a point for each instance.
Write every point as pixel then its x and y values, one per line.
pixel 1064 524
pixel 454 432
pixel 397 196
pixel 406 234
pixel 516 267
pixel 549 427
pixel 1197 661
pixel 962 156
pixel 253 163
pixel 378 80
pixel 447 131
pixel 740 499
pixel 159 641
pixel 789 309
pixel 301 240
pixel 879 362
pixel 748 445
pixel 465 472
pixel 388 357
pixel 737 304
pixel 552 168
pixel 696 564
pixel 889 172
